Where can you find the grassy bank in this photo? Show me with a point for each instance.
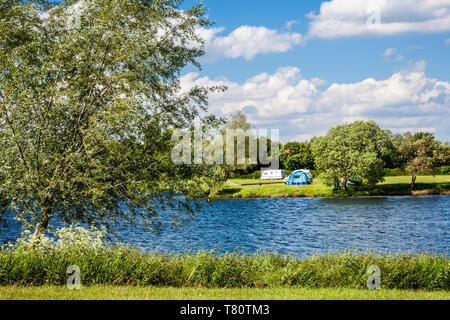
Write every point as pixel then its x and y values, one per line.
pixel 123 267
pixel 400 185
pixel 154 293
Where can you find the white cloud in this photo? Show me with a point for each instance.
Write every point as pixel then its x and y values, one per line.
pixel 289 24
pixel 318 82
pixel 407 101
pixel 344 18
pixel 416 66
pixel 399 58
pixel 264 92
pixel 335 19
pixel 247 42
pixel 389 52
pixel 388 55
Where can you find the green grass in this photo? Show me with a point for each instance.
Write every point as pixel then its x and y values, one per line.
pixel 400 185
pixel 123 267
pixel 154 293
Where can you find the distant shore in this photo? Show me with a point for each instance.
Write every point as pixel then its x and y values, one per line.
pixel 392 186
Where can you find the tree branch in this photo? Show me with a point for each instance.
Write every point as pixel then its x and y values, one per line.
pixel 8 122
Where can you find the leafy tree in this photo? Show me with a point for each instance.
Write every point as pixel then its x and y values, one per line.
pixel 394 158
pixel 89 93
pixel 295 155
pixel 241 162
pixel 444 154
pixel 237 121
pixel 420 152
pixel 350 150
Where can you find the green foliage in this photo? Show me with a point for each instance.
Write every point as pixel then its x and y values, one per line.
pixel 444 170
pixel 241 166
pixel 355 149
pixel 394 172
pixel 254 175
pixel 123 266
pixel 89 93
pixel 72 237
pixel 443 158
pixel 420 153
pixel 296 156
pixel 237 121
pixel 394 158
pixel 392 186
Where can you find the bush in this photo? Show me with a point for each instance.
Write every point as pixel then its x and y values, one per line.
pixel 395 172
pixel 125 266
pixel 253 175
pixel 444 170
pixel 72 237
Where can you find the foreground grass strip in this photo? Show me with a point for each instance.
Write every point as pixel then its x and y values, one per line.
pixel 124 267
pixel 153 293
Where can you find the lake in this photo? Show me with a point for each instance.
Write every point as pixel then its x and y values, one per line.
pixel 302 226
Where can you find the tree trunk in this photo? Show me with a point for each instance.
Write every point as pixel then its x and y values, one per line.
pixel 413 182
pixel 344 184
pixel 40 227
pixel 227 174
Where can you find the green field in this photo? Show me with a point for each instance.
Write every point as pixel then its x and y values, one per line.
pixel 154 293
pixel 246 188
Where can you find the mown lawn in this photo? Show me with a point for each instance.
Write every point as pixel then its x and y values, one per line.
pixel 153 293
pixel 246 188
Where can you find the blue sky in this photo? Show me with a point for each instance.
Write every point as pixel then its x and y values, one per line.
pixel 289 63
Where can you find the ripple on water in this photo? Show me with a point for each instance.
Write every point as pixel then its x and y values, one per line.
pixel 302 226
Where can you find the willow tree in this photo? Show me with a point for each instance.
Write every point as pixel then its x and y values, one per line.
pixel 89 93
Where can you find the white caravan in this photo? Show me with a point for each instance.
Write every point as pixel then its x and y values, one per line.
pixel 273 175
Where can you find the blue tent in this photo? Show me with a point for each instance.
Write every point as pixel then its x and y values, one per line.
pixel 298 179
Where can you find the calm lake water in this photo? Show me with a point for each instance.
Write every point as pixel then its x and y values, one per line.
pixel 303 226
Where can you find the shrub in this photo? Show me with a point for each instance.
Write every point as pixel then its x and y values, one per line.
pixel 444 170
pixel 253 175
pixel 125 266
pixel 395 172
pixel 72 237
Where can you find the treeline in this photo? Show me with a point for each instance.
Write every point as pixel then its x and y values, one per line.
pixel 364 152
pixel 295 155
